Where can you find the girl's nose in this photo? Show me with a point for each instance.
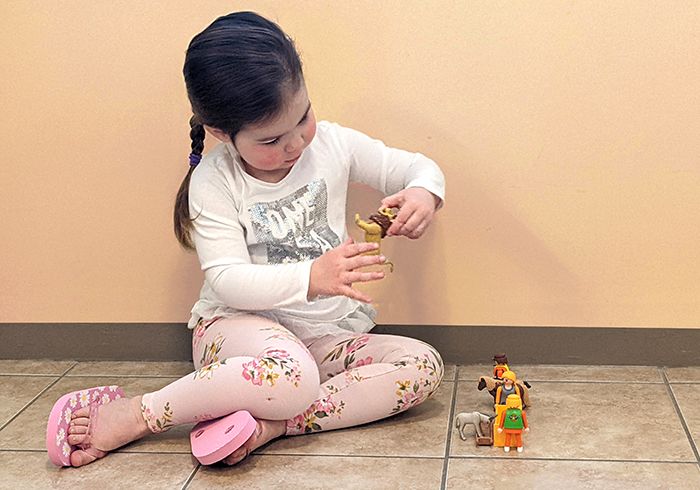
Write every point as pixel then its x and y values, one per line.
pixel 295 143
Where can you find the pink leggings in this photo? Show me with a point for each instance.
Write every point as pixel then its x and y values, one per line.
pixel 251 363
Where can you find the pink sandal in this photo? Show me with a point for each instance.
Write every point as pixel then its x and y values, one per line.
pixel 213 440
pixel 57 429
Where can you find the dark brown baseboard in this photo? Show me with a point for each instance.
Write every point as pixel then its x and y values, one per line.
pixel 458 345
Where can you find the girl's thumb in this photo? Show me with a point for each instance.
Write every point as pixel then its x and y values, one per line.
pixel 393 201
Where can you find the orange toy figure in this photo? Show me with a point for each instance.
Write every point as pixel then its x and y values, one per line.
pixel 513 422
pixel 500 365
pixel 503 391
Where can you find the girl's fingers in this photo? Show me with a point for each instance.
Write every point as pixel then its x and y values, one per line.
pixel 355 294
pixel 400 221
pixel 418 232
pixel 416 225
pixel 357 276
pixel 355 249
pixel 393 201
pixel 364 260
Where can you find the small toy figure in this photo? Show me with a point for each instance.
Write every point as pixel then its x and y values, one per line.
pixel 513 421
pixel 492 383
pixel 500 365
pixel 376 227
pixel 506 389
pixel 483 426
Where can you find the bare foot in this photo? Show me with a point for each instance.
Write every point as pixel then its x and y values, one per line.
pixel 265 431
pixel 117 423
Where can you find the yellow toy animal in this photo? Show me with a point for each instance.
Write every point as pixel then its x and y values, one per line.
pixel 375 228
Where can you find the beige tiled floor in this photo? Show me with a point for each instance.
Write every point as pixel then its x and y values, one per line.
pixel 591 427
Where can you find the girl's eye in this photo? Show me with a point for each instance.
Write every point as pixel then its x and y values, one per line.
pixel 271 142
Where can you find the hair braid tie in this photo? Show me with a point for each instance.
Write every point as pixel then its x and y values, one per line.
pixel 197 135
pixel 195 159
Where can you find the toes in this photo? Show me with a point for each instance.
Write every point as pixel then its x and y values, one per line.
pixel 83 457
pixel 242 452
pixel 83 412
pixel 77 429
pixel 237 456
pixel 80 421
pixel 76 439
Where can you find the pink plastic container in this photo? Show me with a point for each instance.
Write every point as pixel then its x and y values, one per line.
pixel 213 440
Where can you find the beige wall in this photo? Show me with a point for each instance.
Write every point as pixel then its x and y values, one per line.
pixel 568 131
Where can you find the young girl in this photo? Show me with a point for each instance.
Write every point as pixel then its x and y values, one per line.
pixel 278 330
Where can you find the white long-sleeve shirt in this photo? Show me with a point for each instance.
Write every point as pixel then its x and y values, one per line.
pixel 256 240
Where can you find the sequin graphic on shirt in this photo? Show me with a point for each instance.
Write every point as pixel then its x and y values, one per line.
pixel 295 228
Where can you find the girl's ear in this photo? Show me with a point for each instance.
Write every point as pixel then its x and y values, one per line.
pixel 218 134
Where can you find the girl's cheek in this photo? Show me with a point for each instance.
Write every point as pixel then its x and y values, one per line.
pixel 266 157
pixel 310 132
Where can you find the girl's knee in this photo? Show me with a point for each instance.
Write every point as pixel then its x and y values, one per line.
pixel 291 381
pixel 424 356
pixel 431 361
pixel 427 360
pixel 289 406
pixel 306 391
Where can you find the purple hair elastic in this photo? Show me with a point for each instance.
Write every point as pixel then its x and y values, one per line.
pixel 194 159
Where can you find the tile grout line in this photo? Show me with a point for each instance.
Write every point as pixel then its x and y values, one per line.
pixel 44 375
pixel 36 397
pixel 191 477
pixel 341 455
pixel 448 439
pixel 378 456
pixel 679 412
pixel 582 460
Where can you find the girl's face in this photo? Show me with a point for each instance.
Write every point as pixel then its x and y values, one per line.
pixel 270 150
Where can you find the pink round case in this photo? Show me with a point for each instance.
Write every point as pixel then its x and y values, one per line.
pixel 213 440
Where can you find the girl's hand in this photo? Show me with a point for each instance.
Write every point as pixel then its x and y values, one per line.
pixel 416 210
pixel 334 272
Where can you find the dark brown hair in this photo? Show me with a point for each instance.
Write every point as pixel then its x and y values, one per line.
pixel 238 71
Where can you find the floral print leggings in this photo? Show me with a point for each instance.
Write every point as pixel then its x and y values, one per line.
pixel 252 363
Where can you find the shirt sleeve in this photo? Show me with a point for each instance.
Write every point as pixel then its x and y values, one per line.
pixel 387 169
pixel 223 253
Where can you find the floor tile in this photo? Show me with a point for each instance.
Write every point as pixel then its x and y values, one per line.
pixel 22 366
pixel 477 474
pixel 588 421
pixel 420 431
pixel 684 374
pixel 542 372
pixel 17 391
pixel 28 430
pixel 132 368
pixel 322 472
pixel 688 397
pixel 28 471
pixel 450 371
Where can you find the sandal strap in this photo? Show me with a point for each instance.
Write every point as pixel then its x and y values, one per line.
pixel 92 423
